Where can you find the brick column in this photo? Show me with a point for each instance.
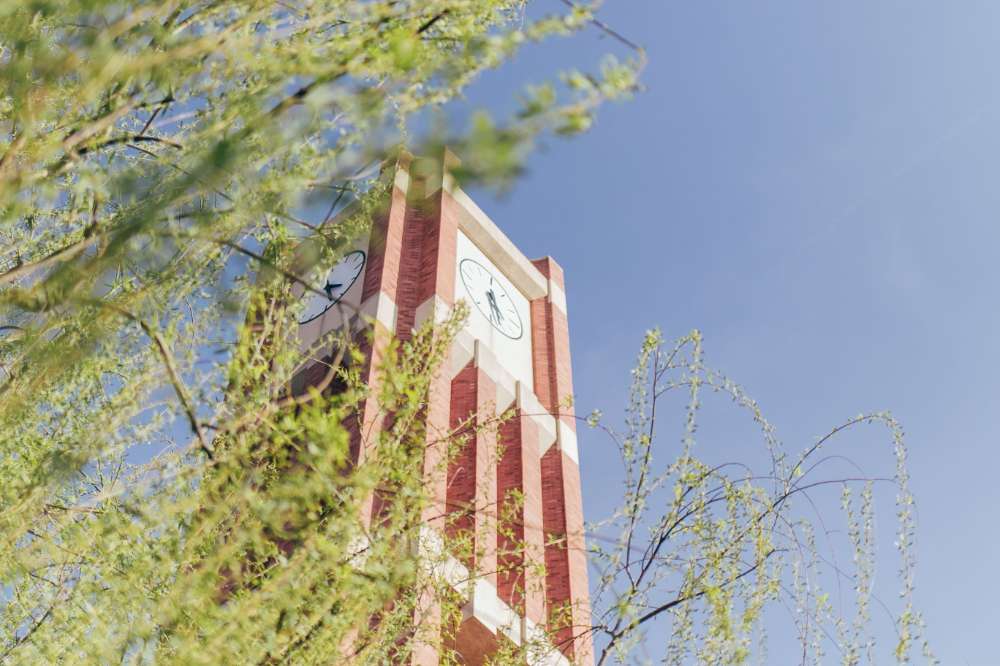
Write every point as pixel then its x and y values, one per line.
pixel 521 541
pixel 429 266
pixel 562 504
pixel 378 299
pixel 472 480
pixel 435 469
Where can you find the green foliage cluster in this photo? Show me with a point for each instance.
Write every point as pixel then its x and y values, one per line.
pixel 165 497
pixel 699 552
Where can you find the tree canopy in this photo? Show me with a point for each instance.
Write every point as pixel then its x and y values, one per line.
pixel 163 497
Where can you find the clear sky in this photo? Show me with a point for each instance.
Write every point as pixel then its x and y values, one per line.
pixel 814 186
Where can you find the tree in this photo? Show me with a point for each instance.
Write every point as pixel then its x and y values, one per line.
pixel 699 552
pixel 165 497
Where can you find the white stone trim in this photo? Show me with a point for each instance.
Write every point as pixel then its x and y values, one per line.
pixel 483 601
pixel 486 606
pixel 528 403
pixel 535 634
pixel 509 390
pixel 401 178
pixel 567 441
pixel 557 296
pixel 433 306
pixel 437 174
pixel 379 307
pixel 506 385
pixel 463 351
pixel 505 398
pixel 431 550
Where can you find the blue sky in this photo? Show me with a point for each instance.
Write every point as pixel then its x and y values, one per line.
pixel 814 187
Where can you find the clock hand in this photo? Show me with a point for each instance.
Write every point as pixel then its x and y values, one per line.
pixel 330 287
pixel 494 309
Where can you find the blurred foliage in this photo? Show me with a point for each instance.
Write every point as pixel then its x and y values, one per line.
pixel 162 500
pixel 163 496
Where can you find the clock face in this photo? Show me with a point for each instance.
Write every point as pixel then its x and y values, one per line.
pixel 340 278
pixel 491 299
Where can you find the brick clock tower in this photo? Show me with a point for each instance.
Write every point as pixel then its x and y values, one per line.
pixel 432 247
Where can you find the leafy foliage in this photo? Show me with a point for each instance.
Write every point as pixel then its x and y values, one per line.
pixel 164 495
pixel 699 552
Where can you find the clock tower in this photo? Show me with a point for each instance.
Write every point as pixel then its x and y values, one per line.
pixel 431 248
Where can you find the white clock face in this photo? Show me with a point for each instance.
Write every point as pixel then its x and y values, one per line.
pixel 490 298
pixel 340 278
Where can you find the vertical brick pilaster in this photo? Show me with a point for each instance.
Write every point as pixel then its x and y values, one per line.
pixel 437 271
pixel 429 245
pixel 486 479
pixel 520 540
pixel 426 650
pixel 558 590
pixel 550 345
pixel 381 280
pixel 430 250
pixel 434 232
pixel 472 480
pixel 562 503
pixel 382 273
pixel 382 276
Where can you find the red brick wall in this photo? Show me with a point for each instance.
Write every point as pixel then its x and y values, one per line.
pixel 472 472
pixel 437 273
pixel 558 590
pixel 429 238
pixel 381 279
pixel 520 542
pixel 550 348
pixel 437 262
pixel 566 583
pixel 462 468
pixel 385 244
pixel 412 257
